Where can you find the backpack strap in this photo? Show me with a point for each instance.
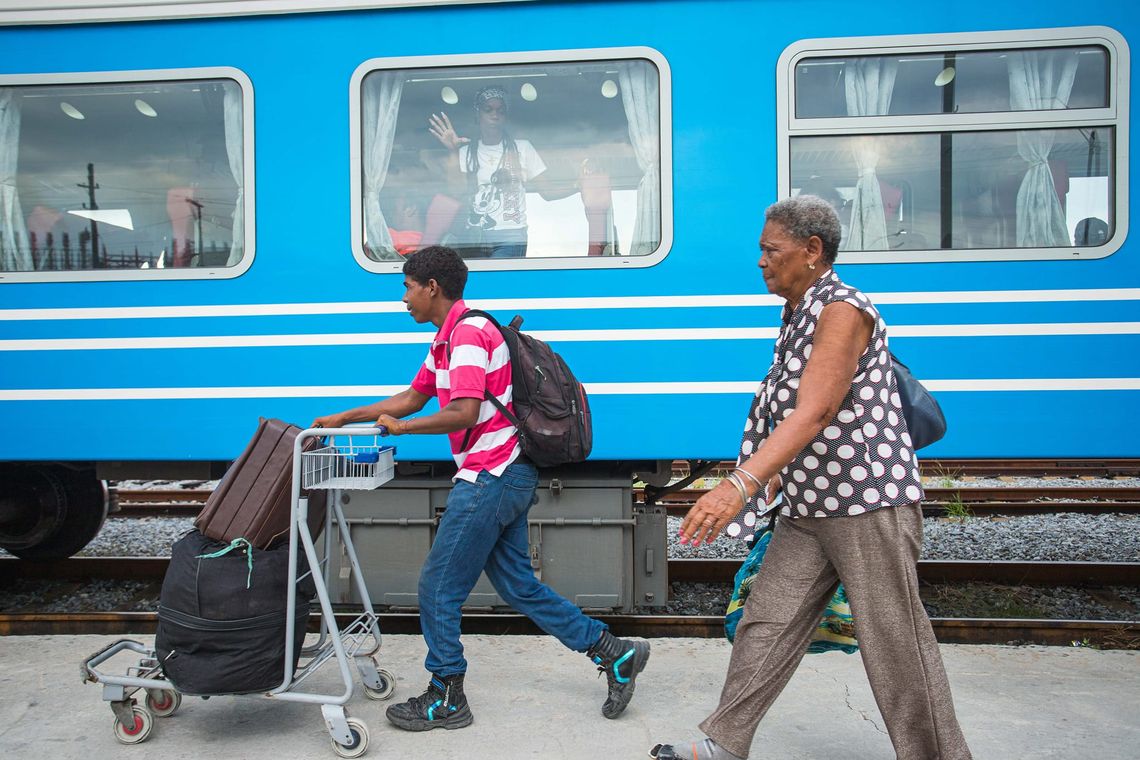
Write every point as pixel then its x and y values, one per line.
pixel 486 393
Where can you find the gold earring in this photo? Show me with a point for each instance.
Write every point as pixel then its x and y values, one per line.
pixel 811 266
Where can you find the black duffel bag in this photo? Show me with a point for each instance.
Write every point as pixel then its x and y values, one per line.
pixel 221 618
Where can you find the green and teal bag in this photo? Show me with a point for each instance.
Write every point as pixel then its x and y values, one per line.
pixel 836 631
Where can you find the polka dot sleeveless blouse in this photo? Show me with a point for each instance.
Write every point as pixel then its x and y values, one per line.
pixel 863 459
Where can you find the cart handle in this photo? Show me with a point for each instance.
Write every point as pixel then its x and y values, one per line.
pixel 321 432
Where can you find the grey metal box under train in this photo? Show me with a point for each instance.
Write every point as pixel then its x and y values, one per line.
pixel 587 541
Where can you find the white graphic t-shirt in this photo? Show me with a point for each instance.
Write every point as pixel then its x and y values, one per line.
pixel 499 201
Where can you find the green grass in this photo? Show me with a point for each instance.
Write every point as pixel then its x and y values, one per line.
pixel 956 510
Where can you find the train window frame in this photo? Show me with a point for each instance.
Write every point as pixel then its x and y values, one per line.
pixel 1113 116
pixel 536 58
pixel 248 180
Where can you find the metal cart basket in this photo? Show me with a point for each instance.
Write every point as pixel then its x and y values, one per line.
pixel 354 460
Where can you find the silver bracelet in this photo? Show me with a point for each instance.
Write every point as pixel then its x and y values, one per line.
pixel 735 480
pixel 750 476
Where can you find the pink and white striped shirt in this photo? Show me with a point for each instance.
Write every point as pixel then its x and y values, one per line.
pixel 478 359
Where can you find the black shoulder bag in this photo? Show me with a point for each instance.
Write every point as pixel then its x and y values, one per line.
pixel 924 418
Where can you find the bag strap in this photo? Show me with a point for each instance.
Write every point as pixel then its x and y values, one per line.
pixel 514 420
pixel 235 544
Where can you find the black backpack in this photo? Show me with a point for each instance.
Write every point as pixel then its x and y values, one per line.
pixel 552 413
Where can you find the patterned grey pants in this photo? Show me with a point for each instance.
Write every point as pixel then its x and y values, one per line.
pixel 874 554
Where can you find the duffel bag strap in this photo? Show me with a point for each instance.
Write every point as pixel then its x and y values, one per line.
pixel 235 544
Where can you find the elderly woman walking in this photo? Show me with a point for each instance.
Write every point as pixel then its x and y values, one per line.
pixel 826 428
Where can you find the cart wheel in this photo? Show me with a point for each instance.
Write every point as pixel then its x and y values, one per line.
pixel 163 703
pixel 359 743
pixel 387 686
pixel 139 732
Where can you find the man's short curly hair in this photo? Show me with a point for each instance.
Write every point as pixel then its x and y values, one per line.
pixel 439 263
pixel 808 215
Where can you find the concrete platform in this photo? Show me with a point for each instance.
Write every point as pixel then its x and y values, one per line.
pixel 534 699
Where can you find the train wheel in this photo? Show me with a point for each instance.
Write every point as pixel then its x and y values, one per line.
pixel 49 512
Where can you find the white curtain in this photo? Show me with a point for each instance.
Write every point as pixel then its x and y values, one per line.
pixel 232 113
pixel 639 95
pixel 869 82
pixel 15 253
pixel 381 107
pixel 1040 80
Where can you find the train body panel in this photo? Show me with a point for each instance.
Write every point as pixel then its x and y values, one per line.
pixel 1033 357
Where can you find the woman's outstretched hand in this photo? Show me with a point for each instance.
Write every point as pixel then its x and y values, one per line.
pixel 440 126
pixel 712 512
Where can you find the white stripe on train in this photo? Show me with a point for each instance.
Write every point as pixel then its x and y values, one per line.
pixel 594 389
pixel 1037 329
pixel 536 304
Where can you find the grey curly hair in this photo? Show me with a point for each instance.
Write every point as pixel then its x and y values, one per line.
pixel 808 215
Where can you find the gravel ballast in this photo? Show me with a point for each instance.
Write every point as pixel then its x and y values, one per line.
pixel 1052 537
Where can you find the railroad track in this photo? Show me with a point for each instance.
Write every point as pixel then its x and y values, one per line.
pixel 983 501
pixel 1093 468
pixel 979 501
pixel 1102 633
pixel 953 571
pixel 1109 634
pixel 684 570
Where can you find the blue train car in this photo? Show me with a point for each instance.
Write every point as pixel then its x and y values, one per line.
pixel 203 215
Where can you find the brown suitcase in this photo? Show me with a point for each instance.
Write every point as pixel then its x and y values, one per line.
pixel 253 501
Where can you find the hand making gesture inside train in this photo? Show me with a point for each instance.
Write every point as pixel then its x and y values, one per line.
pixel 440 126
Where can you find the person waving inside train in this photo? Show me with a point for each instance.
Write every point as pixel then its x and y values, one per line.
pixel 493 174
pixel 484 527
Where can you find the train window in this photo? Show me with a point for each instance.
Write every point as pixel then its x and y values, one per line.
pixel 140 175
pixel 542 162
pixel 962 147
pixel 953 82
pixel 974 176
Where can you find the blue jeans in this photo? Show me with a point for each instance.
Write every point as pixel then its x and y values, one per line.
pixel 508 250
pixel 484 528
pixel 506 244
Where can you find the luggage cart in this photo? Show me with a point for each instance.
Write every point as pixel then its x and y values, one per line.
pixel 351 465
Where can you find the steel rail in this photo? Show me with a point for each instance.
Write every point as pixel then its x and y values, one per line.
pixel 1108 468
pixel 1102 633
pixel 166 498
pixel 953 571
pixel 929 508
pixel 683 570
pixel 970 494
pixel 987 501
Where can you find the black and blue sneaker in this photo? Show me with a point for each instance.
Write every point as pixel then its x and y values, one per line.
pixel 441 706
pixel 621 660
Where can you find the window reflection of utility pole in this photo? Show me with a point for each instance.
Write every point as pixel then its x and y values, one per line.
pixel 91 187
pixel 198 216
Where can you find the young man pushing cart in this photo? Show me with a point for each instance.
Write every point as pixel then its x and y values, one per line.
pixel 484 527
